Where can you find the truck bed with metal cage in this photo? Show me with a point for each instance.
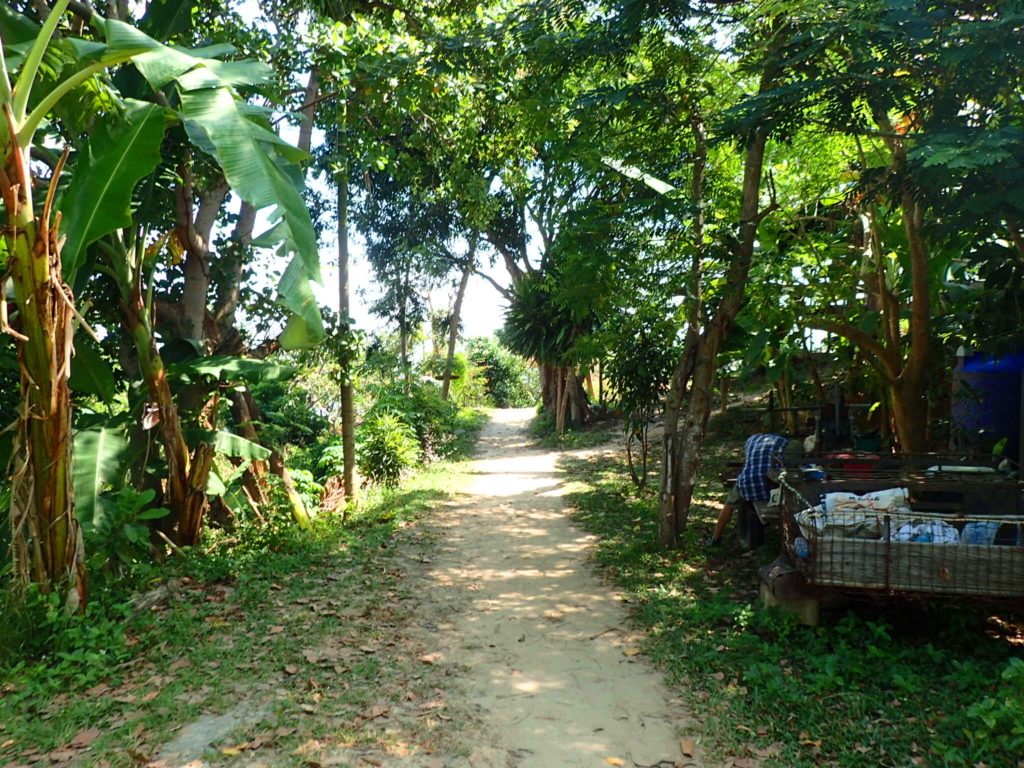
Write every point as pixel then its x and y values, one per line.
pixel 918 525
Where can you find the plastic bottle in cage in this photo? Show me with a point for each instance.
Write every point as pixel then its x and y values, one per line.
pixel 802 547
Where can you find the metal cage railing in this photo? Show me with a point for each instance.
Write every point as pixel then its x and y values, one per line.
pixel 942 535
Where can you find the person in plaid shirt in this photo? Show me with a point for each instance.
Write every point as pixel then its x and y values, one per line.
pixel 761 454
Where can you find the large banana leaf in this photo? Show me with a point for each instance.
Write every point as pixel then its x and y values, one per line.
pixel 245 368
pixel 305 327
pixel 255 160
pixel 111 163
pixel 99 462
pixel 91 374
pixel 161 64
pixel 230 444
pixel 214 118
pixel 16 28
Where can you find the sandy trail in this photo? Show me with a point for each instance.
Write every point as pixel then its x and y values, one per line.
pixel 544 650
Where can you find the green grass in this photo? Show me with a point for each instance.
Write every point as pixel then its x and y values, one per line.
pixel 468 424
pixel 237 631
pixel 542 430
pixel 893 684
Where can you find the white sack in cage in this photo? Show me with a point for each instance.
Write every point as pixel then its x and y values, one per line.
pixel 890 500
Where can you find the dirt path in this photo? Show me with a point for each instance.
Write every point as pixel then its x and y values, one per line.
pixel 479 637
pixel 543 647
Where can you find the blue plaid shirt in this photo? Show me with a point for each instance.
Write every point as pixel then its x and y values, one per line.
pixel 761 453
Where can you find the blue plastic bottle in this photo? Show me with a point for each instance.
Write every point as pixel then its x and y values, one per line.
pixel 802 547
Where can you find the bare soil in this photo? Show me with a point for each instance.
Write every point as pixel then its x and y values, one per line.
pixel 549 664
pixel 500 646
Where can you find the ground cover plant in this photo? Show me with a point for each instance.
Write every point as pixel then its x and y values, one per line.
pixel 295 632
pixel 662 200
pixel 887 683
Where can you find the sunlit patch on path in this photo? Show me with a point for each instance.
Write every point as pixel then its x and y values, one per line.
pixel 543 646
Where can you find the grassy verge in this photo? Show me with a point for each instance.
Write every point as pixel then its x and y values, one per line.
pixel 598 432
pixel 299 636
pixel 892 684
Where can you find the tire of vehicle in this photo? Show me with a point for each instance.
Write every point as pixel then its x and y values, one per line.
pixel 749 528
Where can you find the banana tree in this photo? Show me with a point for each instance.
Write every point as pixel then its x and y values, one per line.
pixel 47 543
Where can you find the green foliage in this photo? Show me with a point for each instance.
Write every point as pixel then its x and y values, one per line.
pixel 946 691
pixel 307 486
pixel 289 414
pixel 47 649
pixel 540 327
pixel 100 454
pixel 509 381
pixel 118 541
pixel 430 416
pixel 470 388
pixel 332 458
pixel 994 724
pixel 643 349
pixel 121 151
pixel 386 447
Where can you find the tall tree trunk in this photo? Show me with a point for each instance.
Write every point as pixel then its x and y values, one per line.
pixel 46 540
pixel 908 374
pixel 549 389
pixel 905 372
pixel 453 329
pixel 578 408
pixel 561 400
pixel 348 431
pixel 403 333
pixel 403 352
pixel 348 419
pixel 910 396
pixel 194 229
pixel 677 498
pixel 669 490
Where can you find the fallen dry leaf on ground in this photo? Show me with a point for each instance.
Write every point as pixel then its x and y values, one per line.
pixel 84 738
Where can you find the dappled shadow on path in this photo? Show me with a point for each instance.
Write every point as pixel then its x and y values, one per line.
pixel 540 639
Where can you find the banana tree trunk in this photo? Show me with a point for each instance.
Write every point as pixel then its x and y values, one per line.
pixel 254 479
pixel 45 536
pixel 187 472
pixel 275 462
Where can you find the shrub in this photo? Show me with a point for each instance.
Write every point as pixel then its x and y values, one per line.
pixel 307 487
pixel 430 416
pixel 118 540
pixel 387 447
pixel 993 725
pixel 289 416
pixel 510 382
